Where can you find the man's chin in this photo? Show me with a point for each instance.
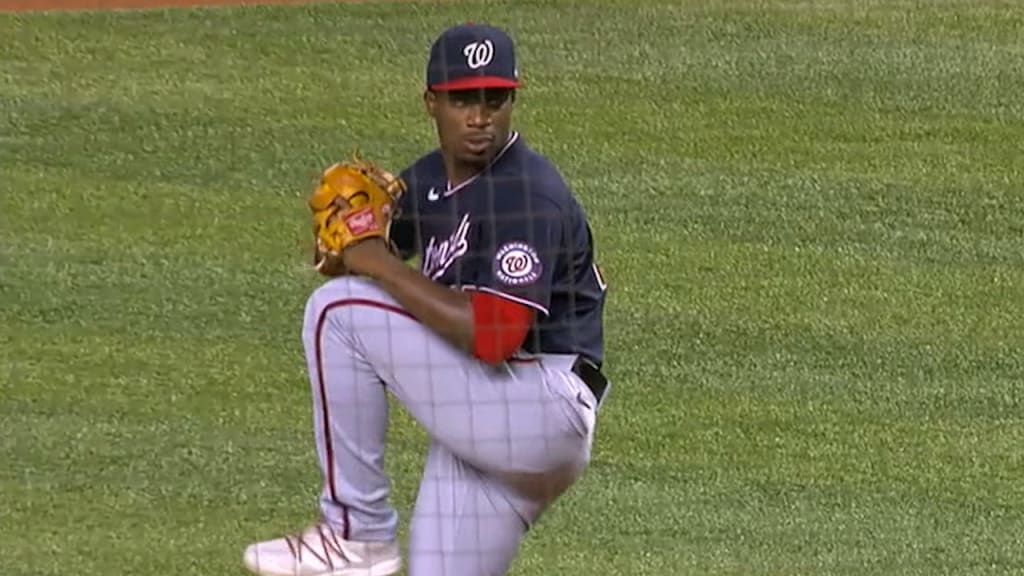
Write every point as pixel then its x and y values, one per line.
pixel 479 160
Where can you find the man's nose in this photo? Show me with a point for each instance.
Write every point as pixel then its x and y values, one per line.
pixel 479 114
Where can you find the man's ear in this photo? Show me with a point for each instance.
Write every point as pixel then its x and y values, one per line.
pixel 429 101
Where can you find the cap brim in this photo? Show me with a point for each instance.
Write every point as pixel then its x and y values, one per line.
pixel 477 82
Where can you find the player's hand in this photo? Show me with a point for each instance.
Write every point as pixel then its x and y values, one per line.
pixel 368 257
pixel 330 264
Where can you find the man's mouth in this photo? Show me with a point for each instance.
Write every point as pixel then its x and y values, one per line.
pixel 479 144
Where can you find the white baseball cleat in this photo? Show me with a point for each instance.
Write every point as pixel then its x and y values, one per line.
pixel 319 551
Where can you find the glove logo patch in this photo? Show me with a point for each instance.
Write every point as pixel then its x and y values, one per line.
pixel 361 222
pixel 518 264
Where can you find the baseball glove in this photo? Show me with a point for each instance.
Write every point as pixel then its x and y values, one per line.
pixel 353 201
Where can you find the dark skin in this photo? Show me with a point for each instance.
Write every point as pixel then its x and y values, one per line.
pixel 471 127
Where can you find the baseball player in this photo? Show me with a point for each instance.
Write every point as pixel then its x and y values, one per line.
pixel 495 345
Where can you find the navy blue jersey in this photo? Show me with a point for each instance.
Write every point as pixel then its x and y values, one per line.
pixel 515 230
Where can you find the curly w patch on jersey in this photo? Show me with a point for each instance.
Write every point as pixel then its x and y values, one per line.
pixel 517 264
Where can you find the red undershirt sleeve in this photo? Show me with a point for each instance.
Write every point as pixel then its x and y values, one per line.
pixel 501 326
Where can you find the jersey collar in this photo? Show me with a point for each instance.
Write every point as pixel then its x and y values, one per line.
pixel 512 139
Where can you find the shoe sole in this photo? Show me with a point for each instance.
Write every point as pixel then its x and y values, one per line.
pixel 383 568
pixel 386 568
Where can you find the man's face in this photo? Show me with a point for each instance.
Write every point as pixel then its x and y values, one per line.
pixel 472 125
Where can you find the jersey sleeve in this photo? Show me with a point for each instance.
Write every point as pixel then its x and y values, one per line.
pixel 523 245
pixel 404 233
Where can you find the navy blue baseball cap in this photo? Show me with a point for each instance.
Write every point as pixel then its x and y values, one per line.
pixel 472 56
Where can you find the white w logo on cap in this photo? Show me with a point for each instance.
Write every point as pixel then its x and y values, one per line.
pixel 479 54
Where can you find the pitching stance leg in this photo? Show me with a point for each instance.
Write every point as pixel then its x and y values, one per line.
pixel 506 440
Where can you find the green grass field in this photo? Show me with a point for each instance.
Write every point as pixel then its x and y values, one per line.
pixel 811 215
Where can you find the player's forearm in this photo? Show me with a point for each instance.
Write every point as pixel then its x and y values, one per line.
pixel 448 312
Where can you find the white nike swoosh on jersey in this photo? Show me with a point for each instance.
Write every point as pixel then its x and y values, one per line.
pixel 432 195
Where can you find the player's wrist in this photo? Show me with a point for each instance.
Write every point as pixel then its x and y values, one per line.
pixel 367 257
pixel 376 261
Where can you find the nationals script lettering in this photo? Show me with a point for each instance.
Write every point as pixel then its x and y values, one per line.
pixel 439 256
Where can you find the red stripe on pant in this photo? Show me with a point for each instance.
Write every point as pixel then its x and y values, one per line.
pixel 328 444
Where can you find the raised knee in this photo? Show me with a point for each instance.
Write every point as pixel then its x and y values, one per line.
pixel 346 288
pixel 341 290
pixel 354 286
